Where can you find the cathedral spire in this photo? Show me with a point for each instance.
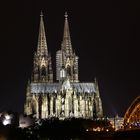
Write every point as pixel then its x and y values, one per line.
pixel 66 43
pixel 42 43
pixel 42 61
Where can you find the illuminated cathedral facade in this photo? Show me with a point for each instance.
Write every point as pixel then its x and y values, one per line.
pixel 65 97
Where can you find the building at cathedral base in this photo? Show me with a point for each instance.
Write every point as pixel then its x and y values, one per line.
pixel 67 97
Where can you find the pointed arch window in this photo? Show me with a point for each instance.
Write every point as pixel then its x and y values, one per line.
pixel 43 71
pixel 69 70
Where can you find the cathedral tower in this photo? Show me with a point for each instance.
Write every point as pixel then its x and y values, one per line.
pixel 42 73
pixel 42 69
pixel 66 57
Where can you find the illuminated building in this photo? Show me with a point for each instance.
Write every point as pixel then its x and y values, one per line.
pixel 117 122
pixel 66 97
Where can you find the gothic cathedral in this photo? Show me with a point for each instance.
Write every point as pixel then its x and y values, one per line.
pixel 66 98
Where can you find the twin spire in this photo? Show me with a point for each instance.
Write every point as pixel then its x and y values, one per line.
pixel 66 43
pixel 42 62
pixel 42 42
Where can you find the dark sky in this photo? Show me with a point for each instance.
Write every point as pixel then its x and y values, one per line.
pixel 105 36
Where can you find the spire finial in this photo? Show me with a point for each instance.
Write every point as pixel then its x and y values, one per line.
pixel 41 13
pixel 66 15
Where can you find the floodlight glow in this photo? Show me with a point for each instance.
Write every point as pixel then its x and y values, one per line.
pixel 6 122
pixel 7 117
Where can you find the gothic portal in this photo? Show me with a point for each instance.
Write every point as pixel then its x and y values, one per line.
pixel 67 97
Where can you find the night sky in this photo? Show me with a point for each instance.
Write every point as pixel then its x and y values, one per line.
pixel 105 36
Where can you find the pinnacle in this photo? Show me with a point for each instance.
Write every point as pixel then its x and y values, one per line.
pixel 41 13
pixel 66 15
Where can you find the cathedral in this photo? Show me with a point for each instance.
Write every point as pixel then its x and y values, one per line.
pixel 66 96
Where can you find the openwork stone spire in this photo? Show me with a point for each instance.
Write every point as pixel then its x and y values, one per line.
pixel 66 43
pixel 42 61
pixel 66 58
pixel 42 43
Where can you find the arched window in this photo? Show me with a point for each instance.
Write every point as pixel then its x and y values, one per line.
pixel 43 71
pixel 68 70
